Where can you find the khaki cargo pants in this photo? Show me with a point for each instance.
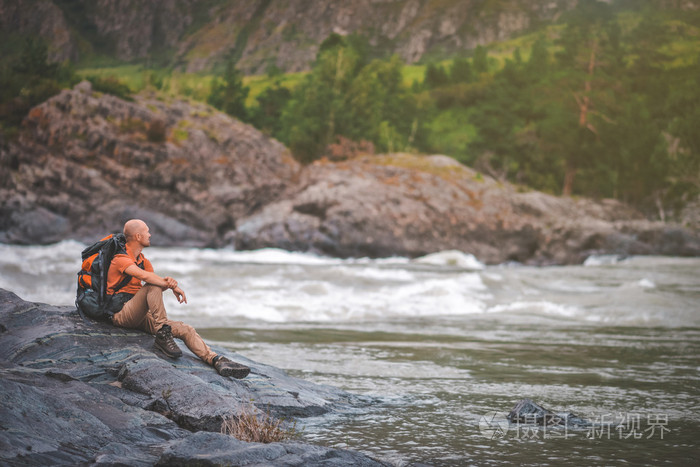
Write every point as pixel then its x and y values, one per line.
pixel 146 311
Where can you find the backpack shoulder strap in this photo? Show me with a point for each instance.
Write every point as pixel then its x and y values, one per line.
pixel 127 278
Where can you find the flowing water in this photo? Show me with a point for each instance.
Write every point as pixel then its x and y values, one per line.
pixel 442 347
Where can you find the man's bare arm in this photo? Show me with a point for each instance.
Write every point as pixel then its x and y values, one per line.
pixel 154 279
pixel 147 276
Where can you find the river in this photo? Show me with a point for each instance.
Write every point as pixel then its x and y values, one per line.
pixel 442 347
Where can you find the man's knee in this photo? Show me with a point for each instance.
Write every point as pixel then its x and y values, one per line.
pixel 154 295
pixel 153 289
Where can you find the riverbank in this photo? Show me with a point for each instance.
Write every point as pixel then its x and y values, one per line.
pixel 75 391
pixel 86 162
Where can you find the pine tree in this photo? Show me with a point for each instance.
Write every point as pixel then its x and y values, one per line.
pixel 228 93
pixel 461 71
pixel 435 76
pixel 481 59
pixel 378 107
pixel 267 116
pixel 587 50
pixel 317 108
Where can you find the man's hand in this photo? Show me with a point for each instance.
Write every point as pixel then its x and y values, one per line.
pixel 170 282
pixel 180 295
pixel 154 279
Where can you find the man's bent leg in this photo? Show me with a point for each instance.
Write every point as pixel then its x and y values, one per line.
pixel 144 311
pixel 133 313
pixel 192 340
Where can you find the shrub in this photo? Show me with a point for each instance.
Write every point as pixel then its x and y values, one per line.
pixel 111 85
pixel 132 125
pixel 345 148
pixel 156 131
pixel 252 426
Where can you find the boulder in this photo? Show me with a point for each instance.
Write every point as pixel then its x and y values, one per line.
pixel 528 412
pixel 85 162
pixel 408 205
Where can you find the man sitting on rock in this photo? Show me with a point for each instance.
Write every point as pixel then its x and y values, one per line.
pixel 145 310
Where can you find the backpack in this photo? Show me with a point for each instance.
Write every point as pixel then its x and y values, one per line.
pixel 91 298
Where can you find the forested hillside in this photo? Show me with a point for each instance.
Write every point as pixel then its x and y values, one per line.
pixel 602 101
pixel 605 104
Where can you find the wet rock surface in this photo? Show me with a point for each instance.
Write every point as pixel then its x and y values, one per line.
pixel 85 163
pixel 220 448
pixel 79 392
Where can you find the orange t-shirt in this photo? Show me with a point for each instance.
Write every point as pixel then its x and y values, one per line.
pixel 116 272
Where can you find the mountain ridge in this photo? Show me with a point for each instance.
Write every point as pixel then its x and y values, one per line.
pixel 199 35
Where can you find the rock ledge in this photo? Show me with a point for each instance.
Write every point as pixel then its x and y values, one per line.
pixel 79 392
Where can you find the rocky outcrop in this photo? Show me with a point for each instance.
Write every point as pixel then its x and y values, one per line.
pixel 409 205
pixel 85 163
pixel 288 34
pixel 79 392
pixel 42 18
pixel 196 36
pixel 124 29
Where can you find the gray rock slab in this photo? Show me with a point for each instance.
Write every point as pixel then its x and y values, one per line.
pixel 217 449
pixel 75 391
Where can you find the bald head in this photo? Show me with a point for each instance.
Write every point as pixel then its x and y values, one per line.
pixel 136 230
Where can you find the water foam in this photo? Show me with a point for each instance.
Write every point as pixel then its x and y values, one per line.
pixel 45 273
pixel 271 285
pixel 538 307
pixel 229 255
pixel 601 260
pixel 452 258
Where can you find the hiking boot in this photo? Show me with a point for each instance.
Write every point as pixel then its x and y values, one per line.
pixel 226 367
pixel 166 343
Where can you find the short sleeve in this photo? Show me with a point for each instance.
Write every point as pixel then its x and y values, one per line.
pixel 121 262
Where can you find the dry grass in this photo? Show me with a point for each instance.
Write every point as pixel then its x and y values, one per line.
pixel 252 426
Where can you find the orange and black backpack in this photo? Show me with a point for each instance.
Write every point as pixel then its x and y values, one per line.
pixel 91 298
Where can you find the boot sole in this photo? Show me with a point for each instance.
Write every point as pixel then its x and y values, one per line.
pixel 238 373
pixel 171 355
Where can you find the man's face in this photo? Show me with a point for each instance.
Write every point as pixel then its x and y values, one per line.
pixel 144 236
